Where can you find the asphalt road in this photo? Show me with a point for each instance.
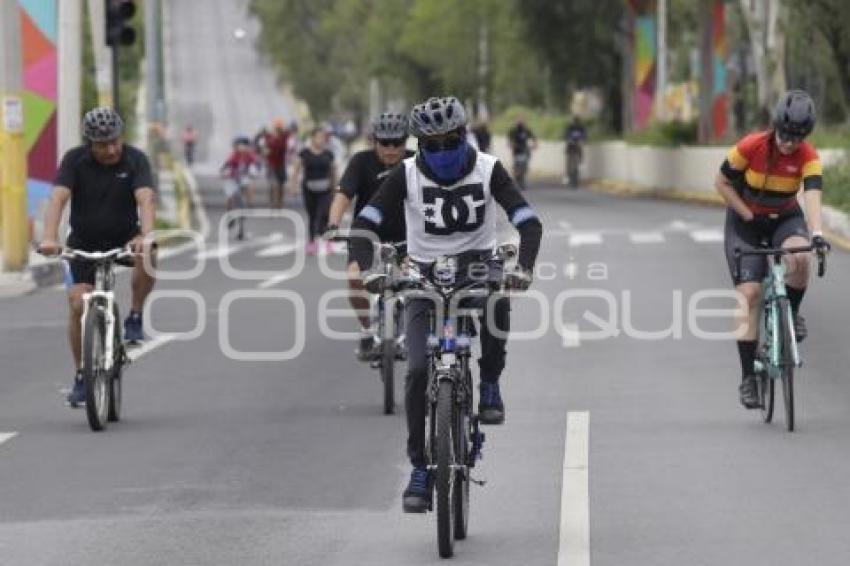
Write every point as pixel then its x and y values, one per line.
pixel 227 461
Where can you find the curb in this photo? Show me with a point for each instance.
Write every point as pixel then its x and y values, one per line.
pixel 836 223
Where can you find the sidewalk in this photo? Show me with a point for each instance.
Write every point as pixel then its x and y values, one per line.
pixel 40 272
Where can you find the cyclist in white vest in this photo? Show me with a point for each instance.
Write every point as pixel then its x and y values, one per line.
pixel 448 193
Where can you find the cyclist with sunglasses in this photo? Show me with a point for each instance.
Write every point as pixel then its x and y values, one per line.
pixel 448 194
pixel 759 180
pixel 365 172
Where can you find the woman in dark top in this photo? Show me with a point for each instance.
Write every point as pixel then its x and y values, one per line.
pixel 316 162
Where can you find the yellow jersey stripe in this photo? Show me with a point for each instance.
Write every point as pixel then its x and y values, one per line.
pixel 775 183
pixel 737 160
pixel 813 167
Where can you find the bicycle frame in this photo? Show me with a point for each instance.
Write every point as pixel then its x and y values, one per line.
pixel 103 284
pixel 773 289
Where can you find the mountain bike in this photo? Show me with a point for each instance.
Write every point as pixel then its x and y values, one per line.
pixel 453 437
pixel 388 339
pixel 390 328
pixel 104 356
pixel 777 354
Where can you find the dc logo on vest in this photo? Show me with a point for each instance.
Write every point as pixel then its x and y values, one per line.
pixel 457 210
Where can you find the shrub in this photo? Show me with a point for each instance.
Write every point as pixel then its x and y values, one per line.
pixel 836 181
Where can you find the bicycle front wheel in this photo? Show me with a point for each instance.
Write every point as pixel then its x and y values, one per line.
pixel 114 412
pixel 94 374
pixel 445 472
pixel 460 495
pixel 388 374
pixel 787 358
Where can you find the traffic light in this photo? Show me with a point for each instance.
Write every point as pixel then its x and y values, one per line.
pixel 118 14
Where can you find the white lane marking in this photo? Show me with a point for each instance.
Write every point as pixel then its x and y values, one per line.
pixel 272 281
pixel 278 250
pixel 570 336
pixel 574 544
pixel 646 237
pixel 585 238
pixel 4 436
pixel 136 352
pixel 228 248
pixel 705 236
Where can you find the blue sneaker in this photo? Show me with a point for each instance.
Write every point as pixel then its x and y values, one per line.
pixel 491 410
pixel 417 496
pixel 77 395
pixel 133 327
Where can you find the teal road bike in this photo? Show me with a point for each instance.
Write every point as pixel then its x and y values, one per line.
pixel 778 354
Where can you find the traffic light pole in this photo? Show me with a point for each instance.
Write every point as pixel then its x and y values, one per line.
pixel 115 81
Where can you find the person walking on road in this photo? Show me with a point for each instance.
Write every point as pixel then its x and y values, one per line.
pixel 275 144
pixel 522 142
pixel 317 171
pixel 113 204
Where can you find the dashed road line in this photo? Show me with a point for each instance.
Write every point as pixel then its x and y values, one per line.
pixel 5 436
pixel 574 539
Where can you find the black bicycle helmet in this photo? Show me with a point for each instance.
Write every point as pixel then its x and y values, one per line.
pixel 102 124
pixel 794 114
pixel 389 126
pixel 437 116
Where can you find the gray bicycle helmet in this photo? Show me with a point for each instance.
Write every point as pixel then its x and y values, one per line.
pixel 102 124
pixel 389 126
pixel 794 114
pixel 437 116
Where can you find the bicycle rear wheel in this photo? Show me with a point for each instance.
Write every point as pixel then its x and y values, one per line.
pixel 388 374
pixel 445 474
pixel 95 378
pixel 787 362
pixel 115 389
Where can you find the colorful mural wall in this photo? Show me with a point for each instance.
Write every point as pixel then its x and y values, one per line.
pixel 38 34
pixel 719 54
pixel 645 48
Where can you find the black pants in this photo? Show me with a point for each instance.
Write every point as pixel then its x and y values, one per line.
pixel 318 205
pixel 491 364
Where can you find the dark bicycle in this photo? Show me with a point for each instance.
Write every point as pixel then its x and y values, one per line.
pixel 777 353
pixel 389 336
pixel 454 440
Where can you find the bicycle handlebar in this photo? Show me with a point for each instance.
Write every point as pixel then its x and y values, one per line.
pixel 110 255
pixel 779 252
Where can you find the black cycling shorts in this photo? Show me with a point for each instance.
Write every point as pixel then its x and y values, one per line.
pixel 277 174
pixel 749 236
pixel 79 271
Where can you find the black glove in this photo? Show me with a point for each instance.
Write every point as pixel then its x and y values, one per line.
pixel 820 244
pixel 375 282
pixel 517 280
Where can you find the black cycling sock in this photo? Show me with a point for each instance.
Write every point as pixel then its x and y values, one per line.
pixel 796 297
pixel 747 351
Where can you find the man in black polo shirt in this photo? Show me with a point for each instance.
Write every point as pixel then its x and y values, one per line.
pixel 364 174
pixel 109 184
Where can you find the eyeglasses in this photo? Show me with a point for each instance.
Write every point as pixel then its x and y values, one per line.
pixel 394 142
pixel 449 141
pixel 786 137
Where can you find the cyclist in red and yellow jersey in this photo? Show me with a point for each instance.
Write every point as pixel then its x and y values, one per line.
pixel 759 181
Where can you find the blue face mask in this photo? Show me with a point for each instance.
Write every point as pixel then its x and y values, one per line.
pixel 447 164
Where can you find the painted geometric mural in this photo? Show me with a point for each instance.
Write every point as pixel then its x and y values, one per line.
pixel 38 34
